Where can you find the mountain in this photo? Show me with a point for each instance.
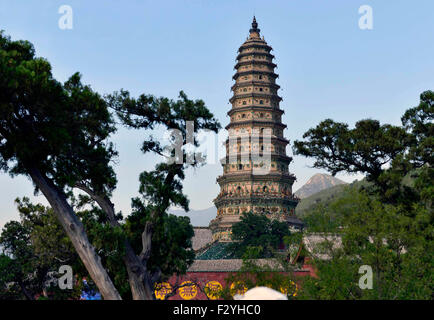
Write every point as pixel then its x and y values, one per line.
pixel 199 218
pixel 316 184
pixel 326 196
pixel 323 197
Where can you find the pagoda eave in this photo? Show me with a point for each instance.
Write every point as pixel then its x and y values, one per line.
pixel 260 138
pixel 272 97
pixel 256 177
pixel 248 155
pixel 255 122
pixel 256 62
pixel 246 54
pixel 254 108
pixel 259 72
pixel 258 45
pixel 255 82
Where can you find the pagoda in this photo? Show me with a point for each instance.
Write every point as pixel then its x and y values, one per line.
pixel 255 170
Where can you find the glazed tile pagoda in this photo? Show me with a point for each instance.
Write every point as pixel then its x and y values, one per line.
pixel 255 170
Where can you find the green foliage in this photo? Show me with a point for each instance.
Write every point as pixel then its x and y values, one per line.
pixel 9 273
pixel 57 128
pixel 326 196
pixel 390 240
pixel 171 247
pixel 171 241
pixel 36 246
pixel 419 120
pixel 387 224
pixel 59 132
pixel 366 148
pixel 257 231
pixel 16 263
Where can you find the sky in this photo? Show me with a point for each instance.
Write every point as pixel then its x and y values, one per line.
pixel 328 66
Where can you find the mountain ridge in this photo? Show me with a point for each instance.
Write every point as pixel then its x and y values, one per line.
pixel 317 183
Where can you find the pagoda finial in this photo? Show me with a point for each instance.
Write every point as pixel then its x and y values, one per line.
pixel 255 26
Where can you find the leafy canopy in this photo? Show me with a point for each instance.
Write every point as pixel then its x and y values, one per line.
pixel 257 231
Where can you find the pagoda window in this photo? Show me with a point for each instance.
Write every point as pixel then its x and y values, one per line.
pixel 261 101
pixel 244 102
pixel 260 89
pixel 260 77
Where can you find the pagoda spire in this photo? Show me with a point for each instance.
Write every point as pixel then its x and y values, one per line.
pixel 254 31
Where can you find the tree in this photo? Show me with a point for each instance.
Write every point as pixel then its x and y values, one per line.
pixel 53 133
pixel 375 234
pixel 35 247
pixel 370 147
pixel 70 124
pixel 257 231
pixel 172 250
pixel 15 270
pixel 388 223
pixel 161 187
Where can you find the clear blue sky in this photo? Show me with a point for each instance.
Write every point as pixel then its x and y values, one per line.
pixel 328 67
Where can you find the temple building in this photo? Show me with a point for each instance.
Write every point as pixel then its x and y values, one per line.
pixel 255 170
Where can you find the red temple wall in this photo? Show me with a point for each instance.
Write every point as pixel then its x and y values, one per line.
pixel 202 278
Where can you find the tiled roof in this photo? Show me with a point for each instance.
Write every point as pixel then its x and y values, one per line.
pixel 216 251
pixel 229 265
pixel 216 265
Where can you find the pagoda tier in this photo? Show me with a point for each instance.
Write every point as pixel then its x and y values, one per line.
pixel 255 111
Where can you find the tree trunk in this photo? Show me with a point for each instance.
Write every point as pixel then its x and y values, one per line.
pixel 26 293
pixel 145 255
pixel 137 273
pixel 76 233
